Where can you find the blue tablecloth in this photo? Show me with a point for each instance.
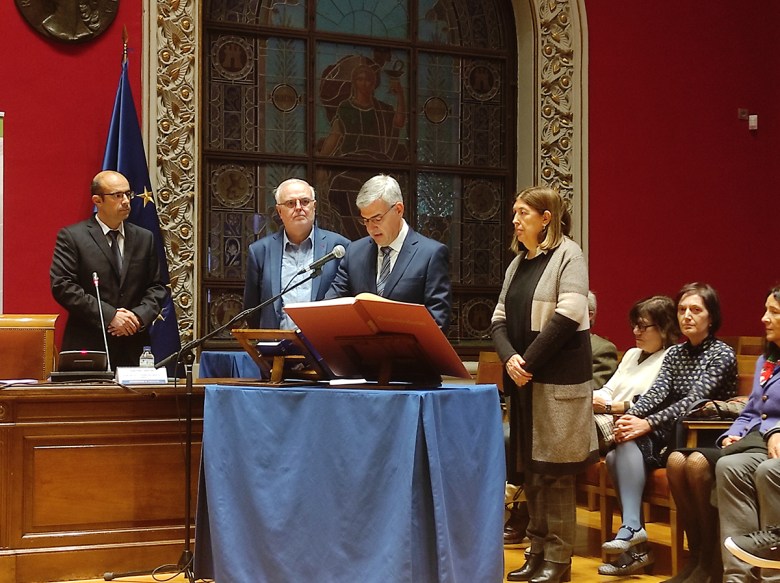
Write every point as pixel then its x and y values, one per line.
pixel 351 486
pixel 227 364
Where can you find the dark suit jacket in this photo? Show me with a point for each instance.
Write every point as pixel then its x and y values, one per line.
pixel 421 274
pixel 264 274
pixel 82 249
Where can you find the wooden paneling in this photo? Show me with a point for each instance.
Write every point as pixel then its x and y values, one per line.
pixel 92 478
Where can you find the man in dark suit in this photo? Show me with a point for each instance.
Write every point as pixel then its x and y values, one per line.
pixel 124 258
pixel 416 268
pixel 274 261
pixel 605 360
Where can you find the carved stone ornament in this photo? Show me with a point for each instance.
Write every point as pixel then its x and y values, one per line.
pixel 69 20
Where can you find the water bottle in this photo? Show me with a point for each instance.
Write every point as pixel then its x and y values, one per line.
pixel 147 358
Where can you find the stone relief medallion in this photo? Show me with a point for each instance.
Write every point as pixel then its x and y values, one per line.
pixel 69 20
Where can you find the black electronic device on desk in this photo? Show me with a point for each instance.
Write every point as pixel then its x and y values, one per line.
pixel 82 365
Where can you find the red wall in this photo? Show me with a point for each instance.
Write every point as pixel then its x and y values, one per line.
pixel 680 190
pixel 57 98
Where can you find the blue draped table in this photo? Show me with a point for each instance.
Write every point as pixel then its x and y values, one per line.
pixel 347 486
pixel 227 364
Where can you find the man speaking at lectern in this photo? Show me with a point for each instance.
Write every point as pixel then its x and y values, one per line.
pixel 275 261
pixel 394 261
pixel 123 257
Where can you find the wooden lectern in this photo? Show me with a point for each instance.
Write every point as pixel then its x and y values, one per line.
pixel 281 354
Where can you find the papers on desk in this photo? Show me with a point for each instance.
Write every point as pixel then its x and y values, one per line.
pixel 8 382
pixel 340 382
pixel 141 375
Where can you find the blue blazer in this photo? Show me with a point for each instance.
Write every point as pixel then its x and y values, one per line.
pixel 762 409
pixel 421 275
pixel 264 274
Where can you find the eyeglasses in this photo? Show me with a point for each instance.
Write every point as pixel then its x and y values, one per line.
pixel 376 219
pixel 291 204
pixel 642 327
pixel 120 195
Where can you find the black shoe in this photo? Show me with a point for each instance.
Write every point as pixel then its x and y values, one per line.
pixel 513 536
pixel 760 548
pixel 516 525
pixel 552 573
pixel 533 561
pixel 629 563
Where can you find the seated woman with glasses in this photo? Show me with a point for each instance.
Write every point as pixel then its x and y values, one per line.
pixel 654 324
pixel 703 367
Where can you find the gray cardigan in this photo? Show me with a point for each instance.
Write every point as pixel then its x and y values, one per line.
pixel 559 357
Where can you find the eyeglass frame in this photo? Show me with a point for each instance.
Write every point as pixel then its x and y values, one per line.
pixel 120 195
pixel 376 219
pixel 643 327
pixel 294 202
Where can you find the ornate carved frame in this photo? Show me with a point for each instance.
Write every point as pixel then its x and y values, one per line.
pixel 552 120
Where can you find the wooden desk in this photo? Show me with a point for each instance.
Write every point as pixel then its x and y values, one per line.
pixel 92 479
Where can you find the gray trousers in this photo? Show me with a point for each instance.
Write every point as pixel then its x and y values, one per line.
pixel 552 508
pixel 748 493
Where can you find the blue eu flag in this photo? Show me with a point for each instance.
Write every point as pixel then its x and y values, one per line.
pixel 125 154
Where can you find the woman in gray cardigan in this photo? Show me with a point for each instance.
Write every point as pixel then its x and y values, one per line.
pixel 540 330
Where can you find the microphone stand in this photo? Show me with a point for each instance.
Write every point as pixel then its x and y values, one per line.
pixel 96 281
pixel 185 357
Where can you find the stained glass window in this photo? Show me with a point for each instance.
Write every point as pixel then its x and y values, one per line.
pixel 336 91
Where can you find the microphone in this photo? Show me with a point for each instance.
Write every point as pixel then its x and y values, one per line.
pixel 96 281
pixel 337 253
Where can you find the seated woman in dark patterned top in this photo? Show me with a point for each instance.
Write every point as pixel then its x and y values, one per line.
pixel 703 367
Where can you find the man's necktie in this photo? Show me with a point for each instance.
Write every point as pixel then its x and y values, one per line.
pixel 115 250
pixel 384 272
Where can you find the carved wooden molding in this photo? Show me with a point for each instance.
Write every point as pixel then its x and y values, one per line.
pixel 172 122
pixel 561 103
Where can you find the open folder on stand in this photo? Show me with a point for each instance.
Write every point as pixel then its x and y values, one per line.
pixel 365 337
pixel 377 339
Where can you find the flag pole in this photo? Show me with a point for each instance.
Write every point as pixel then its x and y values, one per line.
pixel 124 44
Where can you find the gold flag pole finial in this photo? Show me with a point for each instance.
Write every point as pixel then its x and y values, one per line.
pixel 124 44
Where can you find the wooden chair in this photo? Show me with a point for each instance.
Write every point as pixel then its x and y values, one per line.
pixel 490 370
pixel 27 346
pixel 751 345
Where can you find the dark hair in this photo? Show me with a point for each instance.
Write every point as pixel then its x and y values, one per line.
pixel 710 298
pixel 772 350
pixel 661 311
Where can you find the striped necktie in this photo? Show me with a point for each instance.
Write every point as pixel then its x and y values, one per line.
pixel 115 249
pixel 384 272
